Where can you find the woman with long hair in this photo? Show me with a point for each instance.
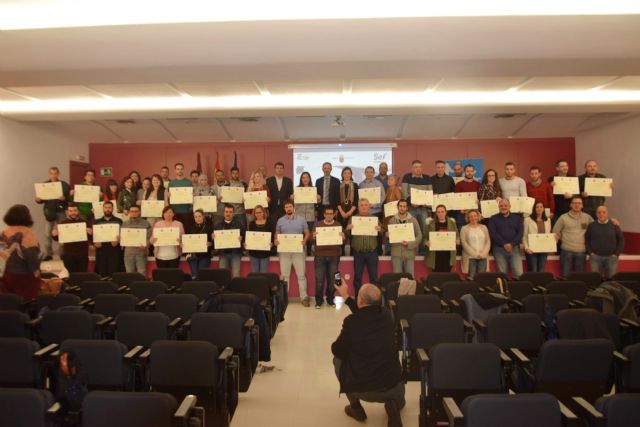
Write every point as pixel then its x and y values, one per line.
pixel 348 197
pixel 127 196
pixel 536 223
pixel 137 181
pixel 260 259
pixel 256 183
pixel 440 261
pixel 307 210
pixel 168 256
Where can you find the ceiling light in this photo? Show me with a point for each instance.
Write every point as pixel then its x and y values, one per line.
pixel 32 14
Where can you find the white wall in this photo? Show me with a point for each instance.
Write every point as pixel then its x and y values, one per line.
pixel 27 150
pixel 616 148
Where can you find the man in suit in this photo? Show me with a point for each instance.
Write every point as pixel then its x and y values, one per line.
pixel 328 188
pixel 280 189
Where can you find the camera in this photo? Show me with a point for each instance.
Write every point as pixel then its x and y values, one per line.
pixel 336 278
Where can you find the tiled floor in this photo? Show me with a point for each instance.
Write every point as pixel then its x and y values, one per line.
pixel 302 390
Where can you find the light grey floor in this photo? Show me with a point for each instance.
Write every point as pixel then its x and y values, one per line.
pixel 302 390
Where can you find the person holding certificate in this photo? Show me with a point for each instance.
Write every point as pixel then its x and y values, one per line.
pixel 467 184
pixel 127 196
pixel 135 258
pixel 54 209
pixel 230 256
pixel 536 223
pixel 489 190
pixel 476 245
pixel 403 254
pixel 540 190
pixel 506 231
pixel 181 210
pixel 199 260
pixel 256 183
pixel 328 188
pixel 437 260
pixel 370 185
pixel 590 202
pixel 562 202
pixel 108 254
pixel 219 182
pixel 235 181
pixel 145 185
pixel 326 258
pixel 156 192
pixel 168 256
pixel 22 254
pixel 605 242
pixel 364 247
pixel 415 179
pixel 306 210
pixel 280 190
pixel 348 196
pixel 570 230
pixel 511 184
pixel 291 223
pixel 393 194
pixel 85 208
pixel 75 255
pixel 261 224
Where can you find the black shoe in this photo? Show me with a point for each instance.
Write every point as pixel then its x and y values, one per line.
pixel 356 412
pixel 47 258
pixel 392 407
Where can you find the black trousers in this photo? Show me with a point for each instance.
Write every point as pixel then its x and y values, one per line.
pixel 168 263
pixel 75 263
pixel 108 260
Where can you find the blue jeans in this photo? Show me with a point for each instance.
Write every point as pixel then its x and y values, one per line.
pixel 604 264
pixel 197 264
pixel 360 259
pixel 477 266
pixel 398 264
pixel 536 262
pixel 325 266
pixel 259 265
pixel 136 263
pixel 420 214
pixel 577 260
pixel 505 259
pixel 231 262
pixel 310 242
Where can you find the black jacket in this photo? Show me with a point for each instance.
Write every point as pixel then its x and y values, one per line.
pixel 367 350
pixel 278 197
pixel 334 190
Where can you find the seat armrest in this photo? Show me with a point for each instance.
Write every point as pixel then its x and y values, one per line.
pixel 404 325
pixel 226 354
pixel 86 302
pixel 568 417
pixel 436 289
pixel 187 324
pixel 577 303
pixel 454 414
pixel 519 356
pixel 539 289
pixel 104 322
pixel 423 357
pixel 143 303
pixel 145 355
pixel 505 359
pixel 392 304
pixel 123 289
pixel 629 322
pixel 172 290
pixel 175 322
pixel 620 358
pixel 131 354
pixel 479 324
pixel 586 410
pixel 45 351
pixel 188 403
pixel 34 322
pixel 454 303
pixel 53 410
pixel 518 304
pixel 249 323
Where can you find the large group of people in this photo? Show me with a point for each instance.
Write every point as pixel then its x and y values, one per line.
pixel 580 222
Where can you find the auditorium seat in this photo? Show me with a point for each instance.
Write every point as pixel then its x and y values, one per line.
pixel 77 278
pixel 521 331
pixel 150 409
pixel 259 287
pixel 143 328
pixel 279 290
pixel 110 305
pixel 148 290
pixel 176 306
pixel 519 290
pixel 15 401
pixel 590 278
pixel 56 301
pixel 89 289
pixel 200 288
pixel 59 325
pixel 19 366
pixel 617 410
pixel 14 324
pixel 537 304
pixel 221 276
pixel 10 302
pixel 576 291
pixel 170 276
pixel 538 278
pixel 489 278
pixel 628 369
pixel 122 278
pixel 438 278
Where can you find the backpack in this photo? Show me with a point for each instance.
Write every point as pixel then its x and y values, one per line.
pixel 72 387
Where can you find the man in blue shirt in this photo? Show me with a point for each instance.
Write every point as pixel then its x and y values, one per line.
pixel 506 231
pixel 291 223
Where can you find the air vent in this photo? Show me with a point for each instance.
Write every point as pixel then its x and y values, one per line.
pixel 507 115
pixel 124 121
pixel 247 119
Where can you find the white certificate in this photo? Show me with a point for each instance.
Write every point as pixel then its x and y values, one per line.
pixel 305 195
pixel 152 208
pixel 542 242
pixel 465 201
pixel 98 211
pixel 489 208
pixel 255 198
pixel 105 232
pixel 391 208
pixel 290 243
pixel 258 240
pixel 86 193
pixel 364 225
pixel 206 203
pixel 598 187
pixel 181 195
pixel 133 237
pixel 226 239
pixel 399 233
pixel 326 236
pixel 521 204
pixel 166 236
pixel 442 241
pixel 74 232
pixel 371 194
pixel 421 197
pixel 194 243
pixel 48 190
pixel 566 184
pixel 231 194
pixel 446 199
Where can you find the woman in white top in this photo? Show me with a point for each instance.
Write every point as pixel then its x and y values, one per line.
pixel 476 243
pixel 155 192
pixel 168 256
pixel 537 222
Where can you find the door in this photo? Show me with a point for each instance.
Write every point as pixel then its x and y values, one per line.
pixel 76 172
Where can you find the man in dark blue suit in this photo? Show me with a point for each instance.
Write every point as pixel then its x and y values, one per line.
pixel 328 188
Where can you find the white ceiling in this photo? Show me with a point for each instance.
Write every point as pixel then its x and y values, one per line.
pixel 336 57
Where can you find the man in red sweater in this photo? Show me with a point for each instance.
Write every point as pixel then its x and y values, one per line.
pixel 467 185
pixel 540 190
